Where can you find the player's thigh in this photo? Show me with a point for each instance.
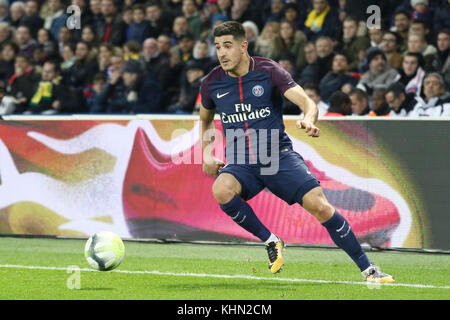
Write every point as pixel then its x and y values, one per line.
pixel 315 202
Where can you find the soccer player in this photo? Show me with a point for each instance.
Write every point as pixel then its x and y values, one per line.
pixel 246 92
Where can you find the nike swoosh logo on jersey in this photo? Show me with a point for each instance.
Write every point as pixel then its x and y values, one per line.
pixel 222 95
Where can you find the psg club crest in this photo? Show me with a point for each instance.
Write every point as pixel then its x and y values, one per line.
pixel 258 91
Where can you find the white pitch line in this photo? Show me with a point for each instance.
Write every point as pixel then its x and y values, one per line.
pixel 225 276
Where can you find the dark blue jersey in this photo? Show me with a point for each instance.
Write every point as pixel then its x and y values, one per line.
pixel 250 108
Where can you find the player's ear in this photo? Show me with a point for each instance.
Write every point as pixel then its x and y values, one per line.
pixel 244 46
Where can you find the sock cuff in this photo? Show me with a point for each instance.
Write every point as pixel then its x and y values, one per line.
pixel 234 203
pixel 335 221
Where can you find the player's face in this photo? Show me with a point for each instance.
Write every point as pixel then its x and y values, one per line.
pixel 229 52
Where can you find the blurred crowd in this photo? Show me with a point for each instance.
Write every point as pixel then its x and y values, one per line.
pixel 134 56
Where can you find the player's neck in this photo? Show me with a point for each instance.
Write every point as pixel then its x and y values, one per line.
pixel 242 68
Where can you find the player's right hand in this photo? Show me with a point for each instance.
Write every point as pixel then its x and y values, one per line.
pixel 212 165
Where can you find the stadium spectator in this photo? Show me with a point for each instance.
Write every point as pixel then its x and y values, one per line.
pixel 442 17
pixel 113 96
pixel 160 20
pixel 17 12
pixel 251 34
pixel 402 22
pixel 180 26
pixel 84 68
pixel 7 104
pixel 91 92
pixel 65 37
pixel 164 45
pixel 417 43
pixel 359 102
pixel 379 105
pixel 442 61
pixel 95 7
pixel 31 19
pixel 412 73
pixel 139 29
pixel 56 18
pixel 323 20
pixel 276 11
pixel 8 54
pixel 380 73
pixel 185 49
pixel 131 50
pixel 68 56
pixel 51 96
pixel 376 37
pixel 143 94
pixel 155 62
pixel 311 72
pixel 201 56
pixel 174 7
pixel 390 46
pixel 243 10
pixel 293 42
pixel 88 35
pixel 353 46
pixel 421 11
pixel 26 43
pixel 337 77
pixel 105 52
pixel 313 92
pixel 189 88
pixel 211 8
pixel 293 14
pixel 5 34
pixel 22 82
pixel 191 13
pixel 111 28
pixel 224 7
pixel 324 47
pixel 4 8
pixel 287 62
pixel 268 43
pixel 340 105
pixel 436 102
pixel 400 103
pixel 420 27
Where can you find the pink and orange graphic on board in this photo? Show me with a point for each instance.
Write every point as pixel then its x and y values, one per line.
pixel 80 177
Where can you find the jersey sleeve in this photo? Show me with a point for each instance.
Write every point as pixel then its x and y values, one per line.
pixel 281 78
pixel 207 102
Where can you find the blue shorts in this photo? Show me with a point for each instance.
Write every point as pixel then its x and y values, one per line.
pixel 290 183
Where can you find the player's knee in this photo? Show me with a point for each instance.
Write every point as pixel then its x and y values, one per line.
pixel 316 204
pixel 323 211
pixel 222 193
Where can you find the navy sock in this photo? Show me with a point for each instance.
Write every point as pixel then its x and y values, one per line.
pixel 343 236
pixel 243 215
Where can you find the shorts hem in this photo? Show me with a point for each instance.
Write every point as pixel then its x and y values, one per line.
pixel 304 189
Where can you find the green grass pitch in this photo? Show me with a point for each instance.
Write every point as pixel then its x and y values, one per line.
pixel 36 268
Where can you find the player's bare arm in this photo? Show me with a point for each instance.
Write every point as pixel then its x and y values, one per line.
pixel 298 96
pixel 211 165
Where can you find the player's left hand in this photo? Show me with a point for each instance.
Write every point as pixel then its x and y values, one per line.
pixel 309 127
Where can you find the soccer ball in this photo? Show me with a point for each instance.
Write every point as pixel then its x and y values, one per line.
pixel 104 251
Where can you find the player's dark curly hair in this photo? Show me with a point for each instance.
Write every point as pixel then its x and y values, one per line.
pixel 230 28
